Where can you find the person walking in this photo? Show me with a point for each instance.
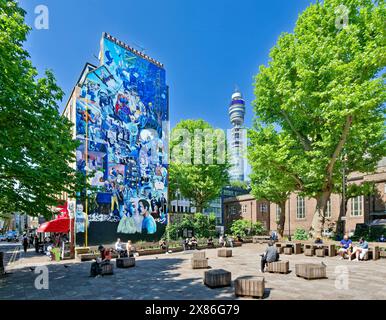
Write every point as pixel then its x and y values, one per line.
pixel 25 243
pixel 36 243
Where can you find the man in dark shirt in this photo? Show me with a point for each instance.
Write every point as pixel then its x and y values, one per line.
pixel 270 255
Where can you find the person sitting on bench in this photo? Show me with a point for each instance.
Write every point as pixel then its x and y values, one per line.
pixel 360 251
pixel 163 245
pixel 130 249
pixel 210 243
pixel 119 249
pixel 96 267
pixel 270 255
pixel 346 248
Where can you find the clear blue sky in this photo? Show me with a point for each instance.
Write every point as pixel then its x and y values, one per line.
pixel 207 46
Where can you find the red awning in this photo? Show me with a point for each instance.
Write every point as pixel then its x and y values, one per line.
pixel 61 225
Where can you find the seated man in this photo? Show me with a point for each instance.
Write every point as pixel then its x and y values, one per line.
pixel 382 239
pixel 210 242
pixel 273 236
pixel 360 250
pixel 270 255
pixel 130 249
pixel 318 241
pixel 119 248
pixel 162 244
pixel 346 248
pixel 104 258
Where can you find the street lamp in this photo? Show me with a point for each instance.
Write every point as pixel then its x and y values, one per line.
pixel 289 218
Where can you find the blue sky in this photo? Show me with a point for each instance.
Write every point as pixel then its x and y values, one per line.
pixel 207 46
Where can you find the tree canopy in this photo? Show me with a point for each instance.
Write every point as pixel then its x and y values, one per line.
pixel 36 145
pixel 324 91
pixel 192 142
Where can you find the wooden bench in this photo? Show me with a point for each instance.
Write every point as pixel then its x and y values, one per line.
pixel 382 254
pixel 311 271
pixel 250 286
pixel 125 262
pixel 279 248
pixel 373 253
pixel 217 278
pixel 309 252
pixel 278 267
pixel 288 250
pixel 224 253
pixel 199 263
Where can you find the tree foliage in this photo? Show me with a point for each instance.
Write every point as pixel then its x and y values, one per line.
pixel 243 228
pixel 324 91
pixel 199 182
pixel 36 145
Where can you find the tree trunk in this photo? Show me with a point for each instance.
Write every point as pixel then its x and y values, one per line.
pixel 281 224
pixel 319 215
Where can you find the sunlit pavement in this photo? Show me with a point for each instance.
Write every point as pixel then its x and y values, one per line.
pixel 169 276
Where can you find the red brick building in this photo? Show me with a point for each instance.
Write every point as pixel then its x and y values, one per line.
pixel 300 211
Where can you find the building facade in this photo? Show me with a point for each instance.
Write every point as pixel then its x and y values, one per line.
pixel 119 110
pixel 300 210
pixel 246 207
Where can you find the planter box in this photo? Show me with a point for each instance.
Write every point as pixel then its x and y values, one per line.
pixel 331 250
pixel 311 271
pixel 217 278
pixel 147 252
pixel 250 286
pixel 199 263
pixel 125 262
pixel 382 254
pixel 288 250
pixel 225 253
pixel 278 267
pixel 297 248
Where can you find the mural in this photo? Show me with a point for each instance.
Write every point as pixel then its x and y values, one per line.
pixel 120 109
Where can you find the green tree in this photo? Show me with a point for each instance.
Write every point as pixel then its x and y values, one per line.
pixel 36 146
pixel 193 144
pixel 271 176
pixel 204 225
pixel 258 229
pixel 324 91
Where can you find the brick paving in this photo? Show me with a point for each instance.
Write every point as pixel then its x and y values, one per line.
pixel 169 276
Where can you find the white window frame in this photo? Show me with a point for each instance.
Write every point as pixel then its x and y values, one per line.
pixel 300 208
pixel 357 206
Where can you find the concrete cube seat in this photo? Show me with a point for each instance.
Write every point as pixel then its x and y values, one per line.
pixel 250 286
pixel 311 271
pixel 309 252
pixel 199 255
pixel 125 262
pixel 320 252
pixel 217 278
pixel 107 269
pixel 225 253
pixel 288 250
pixel 200 263
pixel 278 267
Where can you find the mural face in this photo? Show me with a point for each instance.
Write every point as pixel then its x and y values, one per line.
pixel 120 109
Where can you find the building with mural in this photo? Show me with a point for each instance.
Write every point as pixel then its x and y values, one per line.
pixel 120 112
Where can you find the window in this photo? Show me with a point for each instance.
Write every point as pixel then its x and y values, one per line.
pixel 328 209
pixel 263 207
pixel 278 212
pixel 232 210
pixel 300 208
pixel 356 206
pixel 244 208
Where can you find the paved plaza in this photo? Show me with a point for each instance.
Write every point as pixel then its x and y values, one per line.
pixel 170 276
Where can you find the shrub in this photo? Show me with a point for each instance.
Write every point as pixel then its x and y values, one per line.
pixel 300 234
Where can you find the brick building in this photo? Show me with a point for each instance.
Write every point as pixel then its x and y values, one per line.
pixel 248 208
pixel 300 210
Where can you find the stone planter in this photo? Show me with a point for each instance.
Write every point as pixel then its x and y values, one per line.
pixel 199 255
pixel 288 250
pixel 320 252
pixel 309 252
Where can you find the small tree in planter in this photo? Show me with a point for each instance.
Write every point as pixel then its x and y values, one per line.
pixel 258 229
pixel 240 227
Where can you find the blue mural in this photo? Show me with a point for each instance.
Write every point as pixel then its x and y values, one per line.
pixel 121 107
